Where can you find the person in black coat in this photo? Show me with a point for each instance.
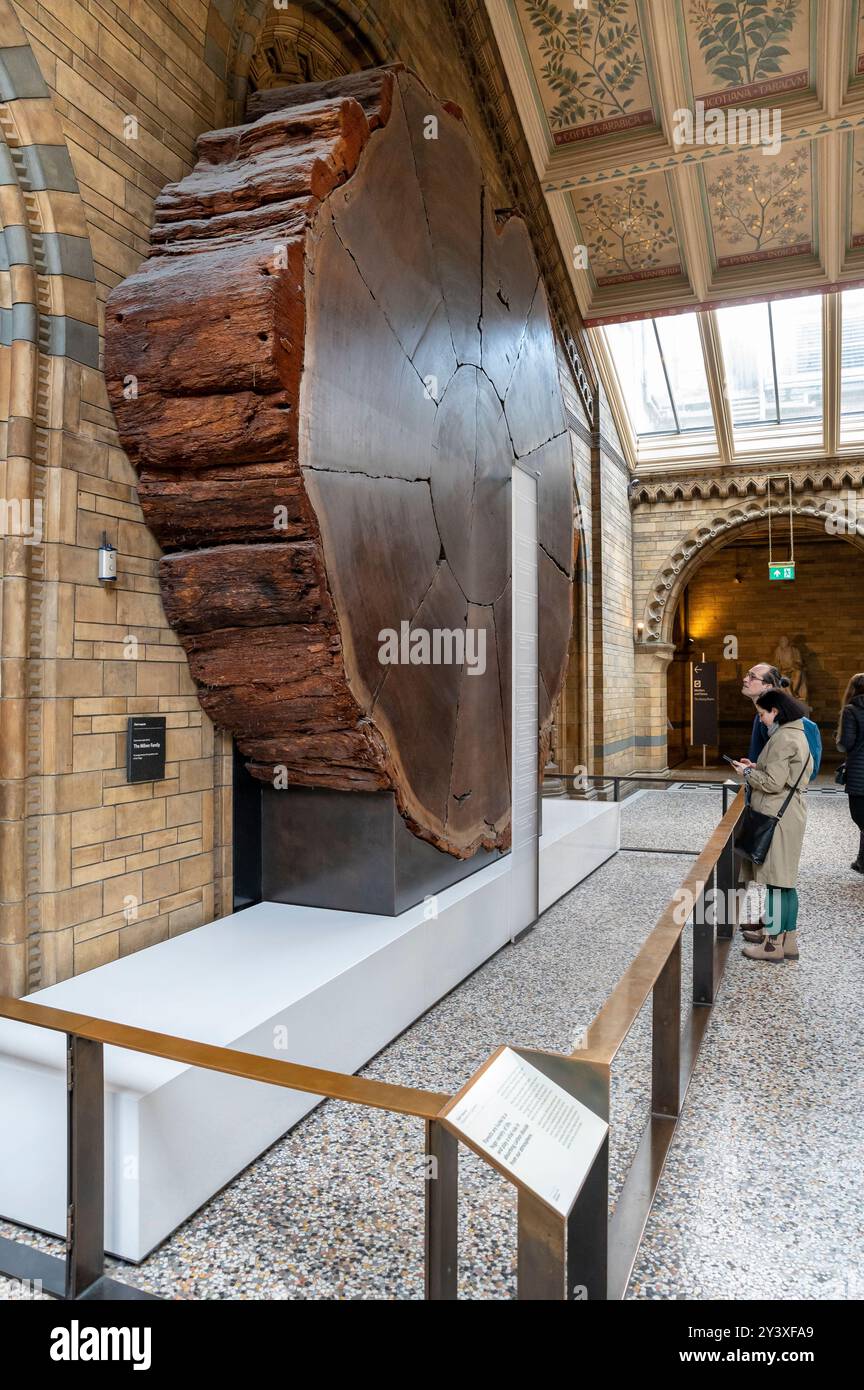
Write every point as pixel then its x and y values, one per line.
pixel 850 740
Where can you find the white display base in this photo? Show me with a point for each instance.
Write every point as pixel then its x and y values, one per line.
pixel 577 837
pixel 342 985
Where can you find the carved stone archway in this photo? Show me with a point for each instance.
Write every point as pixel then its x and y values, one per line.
pixel 326 38
pixel 655 650
pixel 693 550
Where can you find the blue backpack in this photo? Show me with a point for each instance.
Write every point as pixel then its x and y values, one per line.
pixel 814 738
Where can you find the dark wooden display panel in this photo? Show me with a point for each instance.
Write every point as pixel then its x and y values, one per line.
pixel 324 373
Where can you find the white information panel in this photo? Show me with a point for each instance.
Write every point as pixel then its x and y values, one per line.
pixel 524 776
pixel 530 1127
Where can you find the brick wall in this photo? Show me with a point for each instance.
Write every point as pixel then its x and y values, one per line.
pixel 821 613
pixel 614 747
pixel 107 103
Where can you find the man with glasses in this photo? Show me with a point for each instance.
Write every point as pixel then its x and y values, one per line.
pixel 758 679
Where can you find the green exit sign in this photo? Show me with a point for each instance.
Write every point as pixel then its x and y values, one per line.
pixel 782 571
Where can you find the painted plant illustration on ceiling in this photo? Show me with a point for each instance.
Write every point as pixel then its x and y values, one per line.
pixel 761 206
pixel 747 48
pixel 855 236
pixel 591 66
pixel 628 231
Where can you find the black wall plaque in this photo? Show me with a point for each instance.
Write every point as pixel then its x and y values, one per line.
pixel 145 748
pixel 703 703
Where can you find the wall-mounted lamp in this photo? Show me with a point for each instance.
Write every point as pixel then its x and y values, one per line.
pixel 107 559
pixel 640 628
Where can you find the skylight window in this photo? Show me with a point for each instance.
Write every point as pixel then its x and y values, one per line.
pixel 685 369
pixel 852 355
pixel 773 360
pixel 661 372
pixel 765 364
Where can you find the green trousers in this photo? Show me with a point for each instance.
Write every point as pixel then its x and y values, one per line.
pixel 781 910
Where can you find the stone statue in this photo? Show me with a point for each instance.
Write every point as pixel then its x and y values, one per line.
pixel 790 663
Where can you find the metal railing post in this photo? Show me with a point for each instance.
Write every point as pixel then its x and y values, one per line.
pixel 542 1251
pixel 85 1210
pixel 588 1234
pixel 666 1037
pixel 726 883
pixel 442 1193
pixel 703 952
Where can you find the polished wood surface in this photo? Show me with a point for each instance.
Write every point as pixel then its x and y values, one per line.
pixel 381 1095
pixel 325 373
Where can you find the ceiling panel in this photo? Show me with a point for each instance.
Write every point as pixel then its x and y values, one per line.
pixel 694 152
pixel 590 67
pixel 760 209
pixel 629 230
pixel 743 52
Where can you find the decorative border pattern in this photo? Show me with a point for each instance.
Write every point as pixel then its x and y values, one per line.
pixel 828 476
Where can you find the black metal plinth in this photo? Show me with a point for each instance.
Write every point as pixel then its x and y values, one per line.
pixel 350 851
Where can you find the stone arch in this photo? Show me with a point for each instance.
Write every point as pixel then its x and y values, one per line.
pixel 699 544
pixel 353 28
pixel 44 243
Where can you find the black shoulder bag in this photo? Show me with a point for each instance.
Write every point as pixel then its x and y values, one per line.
pixel 756 830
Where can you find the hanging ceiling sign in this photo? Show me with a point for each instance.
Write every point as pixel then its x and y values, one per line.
pixel 781 569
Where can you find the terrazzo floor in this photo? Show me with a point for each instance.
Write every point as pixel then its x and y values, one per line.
pixel 762 1192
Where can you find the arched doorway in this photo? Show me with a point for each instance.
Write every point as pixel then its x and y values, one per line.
pixel 728 611
pixel 298 45
pixel 301 41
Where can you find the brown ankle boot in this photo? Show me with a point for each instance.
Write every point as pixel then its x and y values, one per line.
pixel 753 931
pixel 790 945
pixel 770 950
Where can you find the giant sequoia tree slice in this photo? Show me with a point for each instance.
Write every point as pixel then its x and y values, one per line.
pixel 325 372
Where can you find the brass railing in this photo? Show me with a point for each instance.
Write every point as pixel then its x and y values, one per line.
pixel 581 1256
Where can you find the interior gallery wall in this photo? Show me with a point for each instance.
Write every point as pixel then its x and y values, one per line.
pixel 99 114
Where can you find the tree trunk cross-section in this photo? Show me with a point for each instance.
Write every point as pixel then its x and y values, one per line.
pixel 325 372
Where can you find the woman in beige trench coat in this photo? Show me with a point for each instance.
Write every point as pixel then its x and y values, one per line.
pixel 783 765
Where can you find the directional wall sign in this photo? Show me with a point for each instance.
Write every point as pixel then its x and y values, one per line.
pixel 786 571
pixel 145 748
pixel 703 703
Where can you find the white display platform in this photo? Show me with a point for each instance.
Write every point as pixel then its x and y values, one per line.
pixel 583 833
pixel 341 985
